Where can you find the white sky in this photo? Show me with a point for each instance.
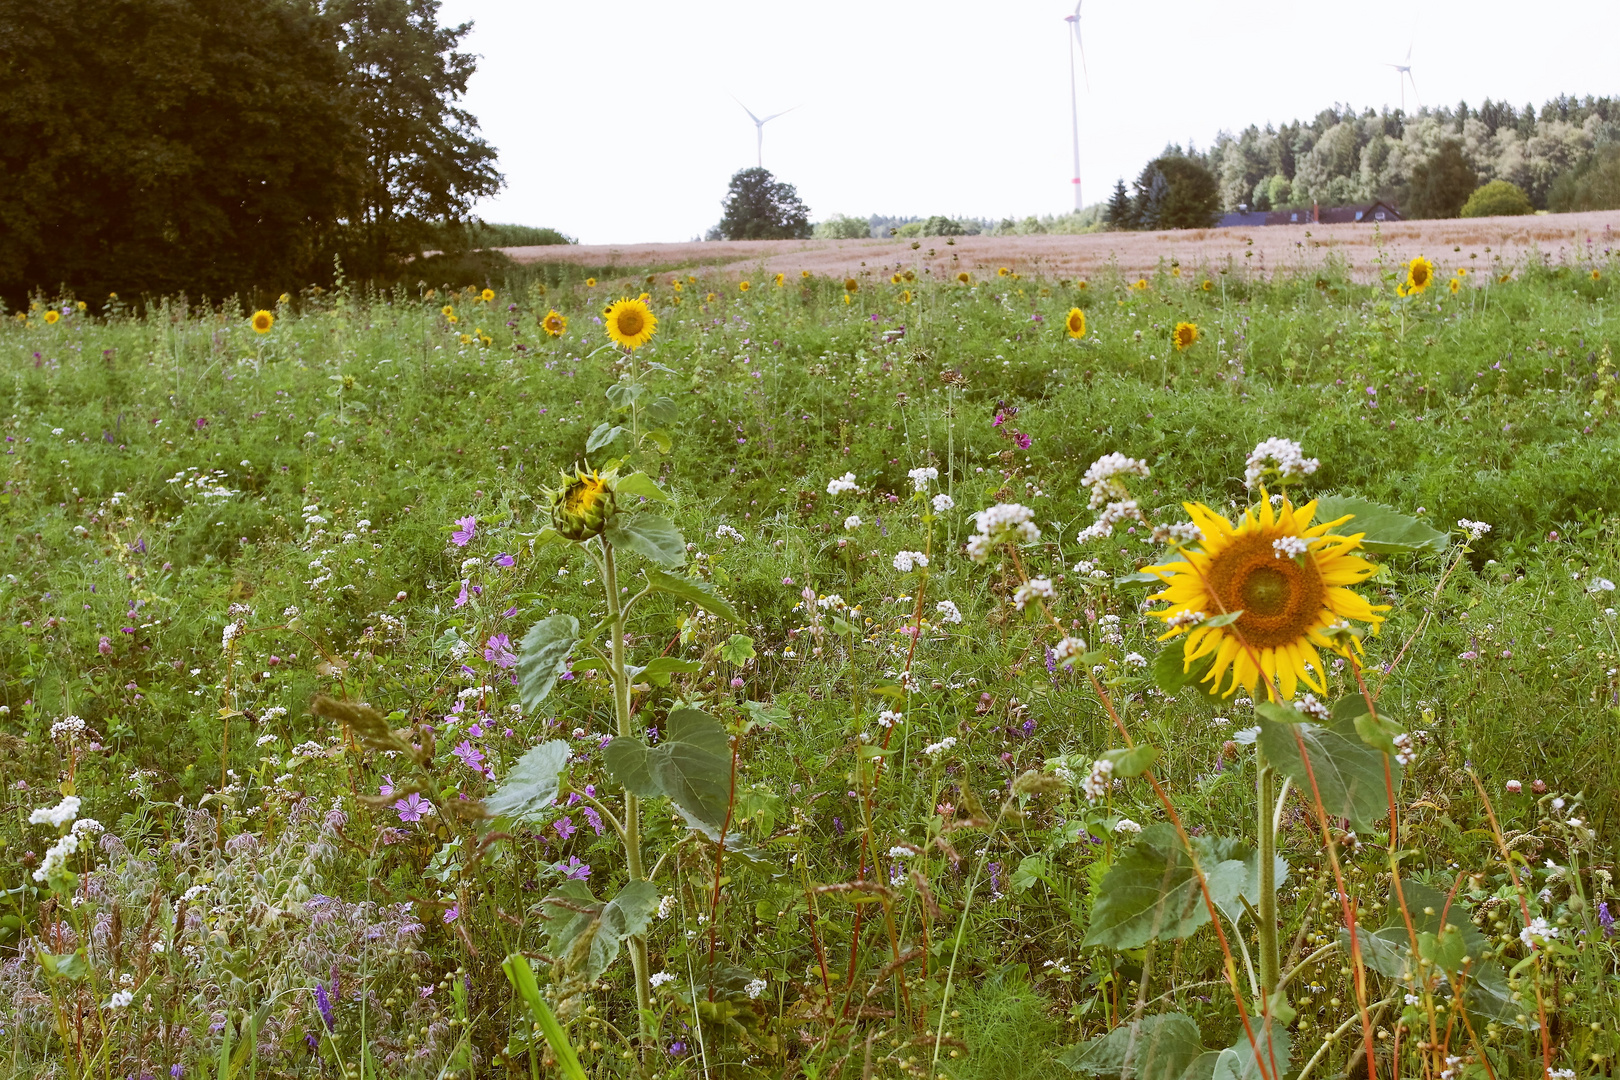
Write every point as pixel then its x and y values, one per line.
pixel 613 122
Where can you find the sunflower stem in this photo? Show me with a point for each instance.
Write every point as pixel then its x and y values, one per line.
pixel 1270 957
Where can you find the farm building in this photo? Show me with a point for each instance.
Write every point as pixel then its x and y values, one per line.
pixel 1332 215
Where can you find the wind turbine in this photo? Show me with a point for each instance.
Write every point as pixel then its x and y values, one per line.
pixel 759 128
pixel 1404 71
pixel 1074 97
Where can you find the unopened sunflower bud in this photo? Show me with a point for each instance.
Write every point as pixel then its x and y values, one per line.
pixel 582 507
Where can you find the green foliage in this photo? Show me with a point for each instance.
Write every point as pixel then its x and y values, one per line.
pixel 1594 184
pixel 532 784
pixel 521 976
pixel 652 536
pixel 1441 183
pixel 1347 773
pixel 690 765
pixel 760 207
pixel 1152 891
pixel 544 656
pixel 1158 1047
pixel 1387 532
pixel 1498 198
pixel 1175 192
pixel 840 227
pixel 585 933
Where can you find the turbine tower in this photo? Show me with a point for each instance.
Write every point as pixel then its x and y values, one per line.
pixel 1074 96
pixel 1404 73
pixel 759 129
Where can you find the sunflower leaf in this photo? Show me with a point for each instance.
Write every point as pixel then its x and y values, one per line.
pixel 651 536
pixel 1388 532
pixel 543 655
pixel 602 435
pixel 1348 774
pixel 1151 892
pixel 1152 1048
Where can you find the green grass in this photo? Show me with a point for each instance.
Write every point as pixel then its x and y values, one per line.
pixel 170 472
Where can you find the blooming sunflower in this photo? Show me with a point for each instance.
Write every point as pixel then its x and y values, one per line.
pixel 1140 284
pixel 910 275
pixel 590 283
pixel 466 339
pixel 51 316
pixel 709 299
pixel 451 319
pixel 804 273
pixel 1175 271
pixel 487 295
pixel 964 278
pixel 1208 285
pixel 1454 284
pixel 82 306
pixel 1076 323
pixel 630 323
pixel 447 311
pixel 1082 284
pixel 263 321
pixel 743 286
pixel 1419 275
pixel 1185 336
pixel 1002 271
pixel 894 279
pixel 1596 276
pixel 1287 604
pixel 905 296
pixel 780 280
pixel 554 323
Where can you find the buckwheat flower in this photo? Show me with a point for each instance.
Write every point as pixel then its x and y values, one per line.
pixel 1280 457
pixel 466 529
pixel 120 999
pixel 1135 659
pixel 1184 532
pixel 920 478
pixel 754 988
pixel 88 826
pixel 1033 589
pixel 1127 827
pixel 1474 529
pixel 943 502
pixel 1066 651
pixel 888 718
pixel 666 906
pixel 906 561
pixel 842 484
pixel 852 523
pixel 230 631
pixel 1184 618
pixel 1097 783
pixel 56 816
pixel 940 747
pixel 56 857
pixel 1103 477
pixel 498 651
pixel 660 979
pixel 1538 933
pixel 1405 751
pixel 1289 547
pixel 1312 707
pixel 67 728
pixel 901 852
pixel 948 612
pixel 1004 523
pixel 726 532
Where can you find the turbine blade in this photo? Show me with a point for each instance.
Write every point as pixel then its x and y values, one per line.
pixel 745 109
pixel 1083 71
pixel 1414 88
pixel 784 112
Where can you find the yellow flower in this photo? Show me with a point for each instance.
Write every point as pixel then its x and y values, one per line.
pixel 677 285
pixel 780 280
pixel 1462 271
pixel 487 295
pixel 263 321
pixel 1082 284
pixel 1287 604
pixel 1184 336
pixel 691 279
pixel 51 316
pixel 709 299
pixel 631 323
pixel 804 273
pixel 848 298
pixel 850 284
pixel 1175 271
pixel 963 277
pixel 451 319
pixel 82 305
pixel 447 311
pixel 1455 283
pixel 1208 285
pixel 282 299
pixel 485 339
pixel 21 316
pixel 466 339
pixel 1419 275
pixel 1504 279
pixel 1140 284
pixel 554 323
pixel 894 279
pixel 910 275
pixel 114 296
pixel 743 286
pixel 590 283
pixel 1076 323
pixel 1596 276
pixel 1002 272
pixel 905 296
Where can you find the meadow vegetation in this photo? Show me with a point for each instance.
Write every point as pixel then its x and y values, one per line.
pixel 563 676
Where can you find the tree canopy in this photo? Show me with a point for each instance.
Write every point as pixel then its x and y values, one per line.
pixel 760 207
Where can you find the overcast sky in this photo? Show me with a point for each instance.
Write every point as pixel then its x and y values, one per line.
pixel 614 123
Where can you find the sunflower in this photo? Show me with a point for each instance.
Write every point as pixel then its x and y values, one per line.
pixel 894 279
pixel 451 319
pixel 1462 271
pixel 487 295
pixel 964 278
pixel 484 339
pixel 447 311
pixel 1208 285
pixel 1288 604
pixel 1454 284
pixel 1075 323
pixel 554 323
pixel 590 283
pixel 743 286
pixel 909 275
pixel 850 284
pixel 804 273
pixel 905 296
pixel 1185 336
pixel 466 339
pixel 51 316
pixel 282 299
pixel 709 299
pixel 1175 271
pixel 631 323
pixel 1596 276
pixel 1140 284
pixel 779 280
pixel 1002 271
pixel 1419 275
pixel 82 306
pixel 677 285
pixel 1082 284
pixel 263 321
pixel 1504 279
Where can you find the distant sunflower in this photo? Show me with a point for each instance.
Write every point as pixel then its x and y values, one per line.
pixel 1175 271
pixel 1419 275
pixel 1207 285
pixel 487 295
pixel 82 306
pixel 678 285
pixel 851 285
pixel 1596 276
pixel 804 273
pixel 905 296
pixel 779 280
pixel 1082 284
pixel 590 283
pixel 282 299
pixel 554 323
pixel 51 316
pixel 1184 336
pixel 894 279
pixel 1287 604
pixel 909 275
pixel 964 278
pixel 1140 284
pixel 691 279
pixel 447 311
pixel 466 339
pixel 451 319
pixel 1002 271
pixel 743 286
pixel 263 321
pixel 1504 279
pixel 709 299
pixel 631 323
pixel 1454 284
pixel 484 339
pixel 1462 271
pixel 1075 323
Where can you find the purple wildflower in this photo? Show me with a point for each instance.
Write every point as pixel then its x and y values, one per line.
pixel 461 599
pixel 387 786
pixel 1605 919
pixel 413 807
pixel 503 559
pixel 468 528
pixel 470 755
pixel 995 878
pixel 324 1004
pixel 1029 727
pixel 498 651
pixel 573 869
pixel 565 828
pixel 105 648
pixel 452 913
pixel 838 825
pixel 1024 441
pixel 594 819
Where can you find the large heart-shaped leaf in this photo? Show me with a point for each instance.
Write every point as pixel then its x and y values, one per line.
pixel 1152 1048
pixel 651 536
pixel 691 765
pixel 543 655
pixel 640 484
pixel 1388 531
pixel 1348 774
pixel 532 784
pixel 585 932
pixel 1151 892
pixel 692 591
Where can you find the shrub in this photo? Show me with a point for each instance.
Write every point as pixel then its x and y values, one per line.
pixel 842 227
pixel 1499 198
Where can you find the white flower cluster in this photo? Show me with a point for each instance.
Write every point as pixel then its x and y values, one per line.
pixel 943 502
pixel 940 747
pixel 1184 532
pixel 1035 589
pixel 1405 750
pixel 1113 514
pixel 67 728
pixel 1280 456
pixel 1311 706
pixel 900 851
pixel 948 612
pixel 56 857
pixel 1185 618
pixel 1096 785
pixel 906 561
pixel 230 631
pixel 121 999
pixel 754 988
pixel 666 906
pixel 88 826
pixel 1474 529
pixel 852 523
pixel 1136 660
pixel 1103 478
pixel 1289 547
pixel 1127 827
pixel 726 532
pixel 58 815
pixel 1538 933
pixel 1066 651
pixel 1003 523
pixel 921 478
pixel 842 484
pixel 1601 584
pixel 660 978
pixel 888 718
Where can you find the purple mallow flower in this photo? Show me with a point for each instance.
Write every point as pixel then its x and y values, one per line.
pixel 413 807
pixel 467 528
pixel 565 827
pixel 498 651
pixel 573 869
pixel 470 755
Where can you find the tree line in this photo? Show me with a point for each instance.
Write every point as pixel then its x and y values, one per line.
pixel 1564 156
pixel 229 146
